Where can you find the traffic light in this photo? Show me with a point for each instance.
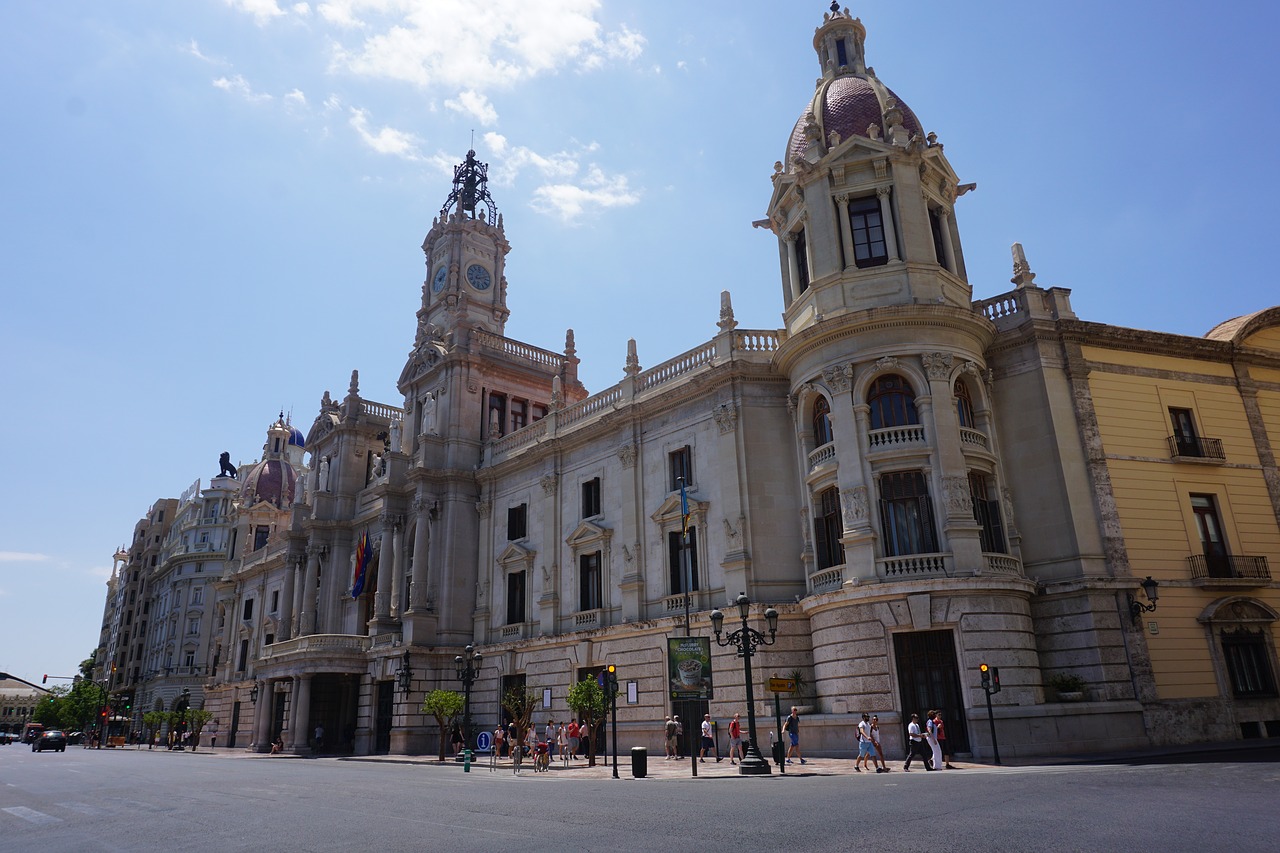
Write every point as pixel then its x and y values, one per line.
pixel 45 680
pixel 986 676
pixel 995 679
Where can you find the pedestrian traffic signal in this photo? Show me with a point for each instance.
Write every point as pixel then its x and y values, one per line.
pixel 986 675
pixel 995 679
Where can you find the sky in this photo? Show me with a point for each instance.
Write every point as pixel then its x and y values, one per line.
pixel 213 210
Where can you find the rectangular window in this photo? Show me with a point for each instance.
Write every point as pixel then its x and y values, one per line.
pixel 1248 664
pixel 828 527
pixel 591 498
pixel 906 515
pixel 189 659
pixel 538 411
pixel 248 609
pixel 519 414
pixel 275 601
pixel 802 261
pixel 589 581
pixel 244 655
pixel 1212 542
pixel 197 593
pixel 936 224
pixel 867 226
pixel 1185 440
pixel 515 598
pixel 497 415
pixel 842 53
pixel 678 553
pixel 987 513
pixel 271 638
pixel 193 626
pixel 681 462
pixel 260 535
pixel 517 522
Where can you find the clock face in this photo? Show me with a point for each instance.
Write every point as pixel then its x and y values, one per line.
pixel 478 276
pixel 437 283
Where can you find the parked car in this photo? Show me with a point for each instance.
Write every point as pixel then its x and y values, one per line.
pixel 51 739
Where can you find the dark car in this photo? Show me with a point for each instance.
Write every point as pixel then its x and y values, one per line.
pixel 6 738
pixel 51 739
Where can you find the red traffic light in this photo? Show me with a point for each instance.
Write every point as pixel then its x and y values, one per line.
pixel 45 680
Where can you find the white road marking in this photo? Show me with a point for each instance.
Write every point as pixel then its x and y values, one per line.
pixel 32 815
pixel 80 808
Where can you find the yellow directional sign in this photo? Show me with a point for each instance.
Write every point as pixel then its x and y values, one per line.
pixel 782 685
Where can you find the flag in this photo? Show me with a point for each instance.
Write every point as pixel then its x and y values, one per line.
pixel 362 564
pixel 684 512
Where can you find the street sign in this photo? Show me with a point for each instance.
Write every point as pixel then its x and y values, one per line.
pixel 782 685
pixel 484 741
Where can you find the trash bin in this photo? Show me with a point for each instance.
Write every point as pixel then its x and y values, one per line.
pixel 778 753
pixel 639 762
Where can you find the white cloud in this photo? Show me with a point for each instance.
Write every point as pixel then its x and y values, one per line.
pixel 262 10
pixel 622 46
pixel 302 9
pixel 474 104
pixel 386 140
pixel 194 49
pixel 237 85
pixel 596 190
pixel 22 557
pixel 296 99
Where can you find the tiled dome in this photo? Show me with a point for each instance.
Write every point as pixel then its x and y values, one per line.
pixel 848 105
pixel 271 480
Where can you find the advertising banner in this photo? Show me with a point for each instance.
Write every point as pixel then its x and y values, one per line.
pixel 689 668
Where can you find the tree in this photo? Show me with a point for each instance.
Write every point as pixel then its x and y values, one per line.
pixel 80 705
pixel 86 665
pixel 586 700
pixel 196 718
pixel 153 720
pixel 519 703
pixel 445 706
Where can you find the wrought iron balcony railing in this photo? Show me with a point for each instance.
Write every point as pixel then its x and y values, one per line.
pixel 1228 566
pixel 1195 447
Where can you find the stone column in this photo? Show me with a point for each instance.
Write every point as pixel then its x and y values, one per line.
pixel 793 266
pixel 421 546
pixel 300 714
pixel 294 564
pixel 261 717
pixel 382 598
pixel 886 218
pixel 948 250
pixel 307 620
pixel 397 565
pixel 846 235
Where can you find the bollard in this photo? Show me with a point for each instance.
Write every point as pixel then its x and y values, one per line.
pixel 466 761
pixel 639 762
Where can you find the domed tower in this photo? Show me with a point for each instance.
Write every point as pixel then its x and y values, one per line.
pixel 863 198
pixel 466 253
pixel 274 478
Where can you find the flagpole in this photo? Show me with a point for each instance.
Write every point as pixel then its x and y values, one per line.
pixel 688 594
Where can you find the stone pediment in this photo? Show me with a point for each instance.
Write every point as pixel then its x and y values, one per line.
pixel 516 555
pixel 1238 609
pixel 669 510
pixel 588 533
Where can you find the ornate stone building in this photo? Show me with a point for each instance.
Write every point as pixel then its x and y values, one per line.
pixel 920 482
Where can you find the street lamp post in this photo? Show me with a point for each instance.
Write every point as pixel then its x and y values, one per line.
pixel 468 665
pixel 746 639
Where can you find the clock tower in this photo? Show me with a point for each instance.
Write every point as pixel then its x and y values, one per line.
pixel 466 252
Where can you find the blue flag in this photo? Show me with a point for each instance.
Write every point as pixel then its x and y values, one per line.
pixel 684 511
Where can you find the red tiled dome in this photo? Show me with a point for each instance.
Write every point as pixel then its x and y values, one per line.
pixel 848 105
pixel 271 480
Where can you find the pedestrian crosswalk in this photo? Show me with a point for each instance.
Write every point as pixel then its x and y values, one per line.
pixel 31 815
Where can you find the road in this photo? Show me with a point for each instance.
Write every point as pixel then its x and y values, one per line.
pixel 125 800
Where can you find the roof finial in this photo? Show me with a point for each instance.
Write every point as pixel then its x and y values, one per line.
pixel 835 6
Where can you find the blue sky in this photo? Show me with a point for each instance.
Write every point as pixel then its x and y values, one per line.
pixel 213 209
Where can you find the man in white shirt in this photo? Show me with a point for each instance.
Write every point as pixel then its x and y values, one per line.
pixel 708 742
pixel 866 747
pixel 916 747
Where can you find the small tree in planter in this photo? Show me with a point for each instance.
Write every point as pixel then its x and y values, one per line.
pixel 445 706
pixel 519 702
pixel 586 699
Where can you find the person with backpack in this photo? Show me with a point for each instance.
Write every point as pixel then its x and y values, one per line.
pixel 735 739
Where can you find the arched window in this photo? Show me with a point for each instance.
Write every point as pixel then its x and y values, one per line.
pixel 964 405
pixel 821 422
pixel 892 402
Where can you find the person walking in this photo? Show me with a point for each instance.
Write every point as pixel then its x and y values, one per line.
pixel 931 732
pixel 942 741
pixel 562 742
pixel 669 736
pixel 735 739
pixel 679 736
pixel 707 741
pixel 319 733
pixel 916 747
pixel 865 746
pixel 575 735
pixel 551 738
pixel 875 743
pixel 791 728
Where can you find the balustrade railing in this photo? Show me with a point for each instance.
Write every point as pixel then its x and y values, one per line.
pixel 686 362
pixel 382 410
pixel 825 453
pixel 1195 447
pixel 1205 566
pixel 895 437
pixel 517 349
pixel 1002 564
pixel 912 565
pixel 999 307
pixel 827 579
pixel 973 437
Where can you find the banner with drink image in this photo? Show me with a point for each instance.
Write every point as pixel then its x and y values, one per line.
pixel 689 668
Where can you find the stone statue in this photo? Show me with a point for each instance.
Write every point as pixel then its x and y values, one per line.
pixel 395 435
pixel 228 470
pixel 324 474
pixel 429 414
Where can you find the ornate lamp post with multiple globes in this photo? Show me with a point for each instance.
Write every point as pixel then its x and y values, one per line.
pixel 746 639
pixel 468 665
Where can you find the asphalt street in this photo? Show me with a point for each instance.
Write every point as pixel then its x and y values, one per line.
pixel 126 800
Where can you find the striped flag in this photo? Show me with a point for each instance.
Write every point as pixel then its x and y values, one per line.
pixel 684 512
pixel 362 564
